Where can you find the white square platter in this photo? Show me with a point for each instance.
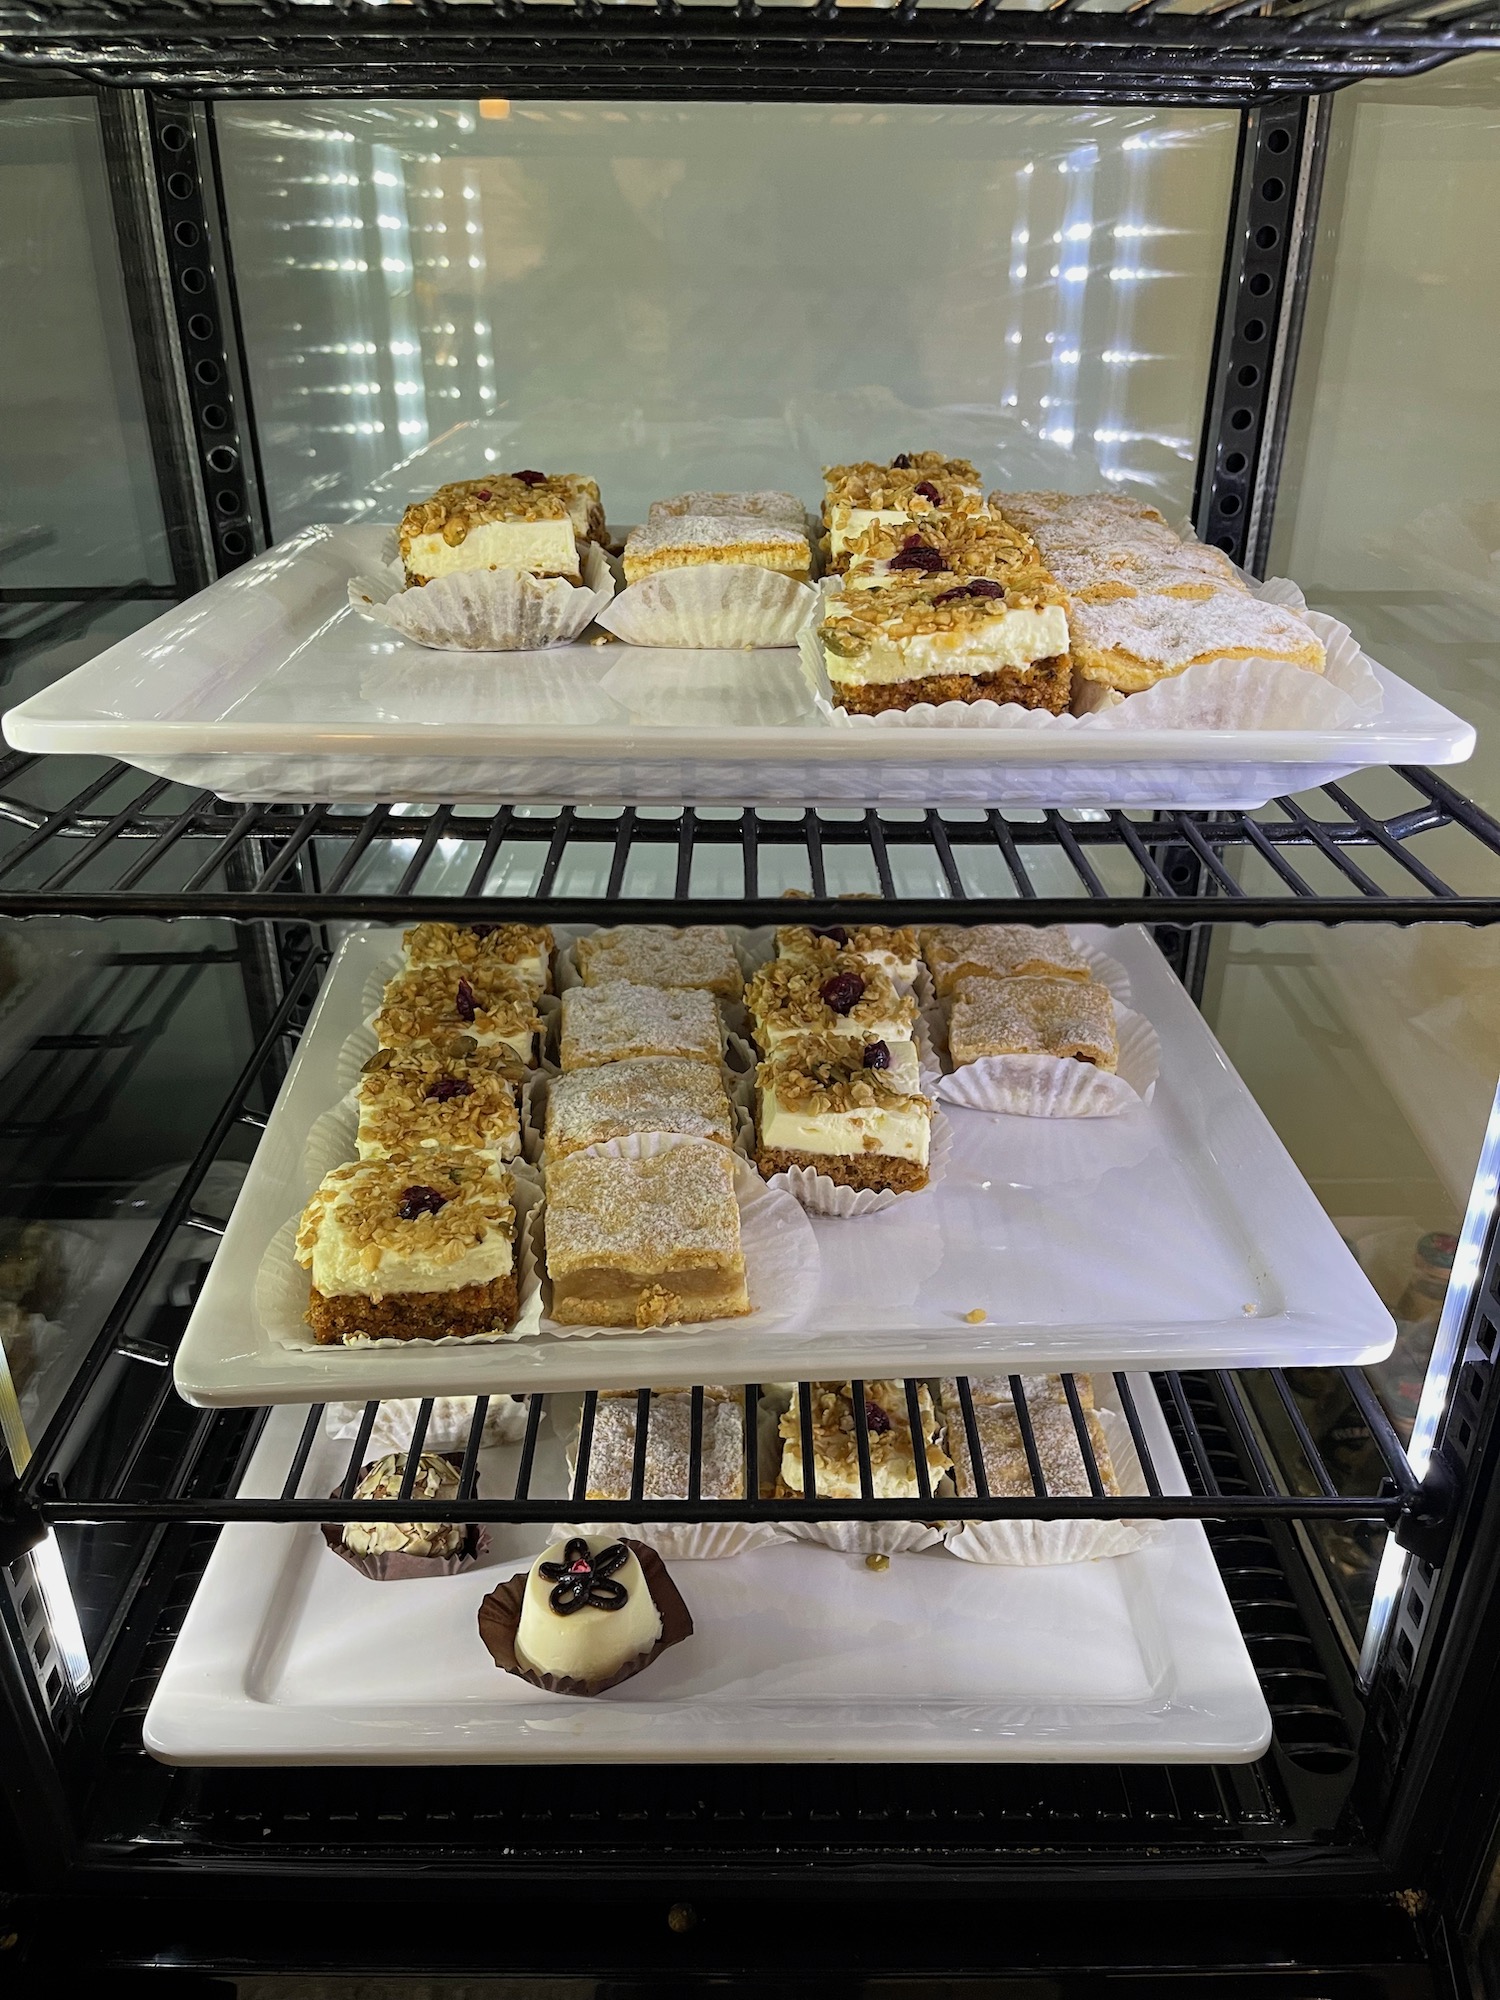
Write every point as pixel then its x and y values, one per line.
pixel 800 1655
pixel 1177 1234
pixel 267 685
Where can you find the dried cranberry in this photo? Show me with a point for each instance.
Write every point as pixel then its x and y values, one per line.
pixel 835 931
pixel 901 462
pixel 876 1418
pixel 842 991
pixel 420 1200
pixel 463 1001
pixel 481 930
pixel 449 1086
pixel 483 493
pixel 530 478
pixel 982 588
pixel 877 1056
pixel 918 555
pixel 929 492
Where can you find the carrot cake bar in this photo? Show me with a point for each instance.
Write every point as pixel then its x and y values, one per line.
pixel 642 1094
pixel 432 1097
pixel 856 1115
pixel 1000 951
pixel 893 948
pixel 498 524
pixel 679 541
pixel 958 547
pixel 397 1257
pixel 932 641
pixel 655 955
pixel 645 1242
pixel 580 495
pixel 607 1024
pixel 1034 1017
pixel 861 497
pixel 524 949
pixel 893 1469
pixel 1007 1470
pixel 790 999
pixel 432 1001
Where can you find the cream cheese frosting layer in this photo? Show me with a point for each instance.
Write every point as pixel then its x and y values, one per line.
pixel 1013 638
pixel 542 548
pixel 895 1135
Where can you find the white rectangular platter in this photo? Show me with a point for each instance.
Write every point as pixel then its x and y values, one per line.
pixel 267 685
pixel 800 1655
pixel 1179 1233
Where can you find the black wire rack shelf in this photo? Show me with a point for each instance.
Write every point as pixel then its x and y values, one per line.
pixel 124 844
pixel 1221 52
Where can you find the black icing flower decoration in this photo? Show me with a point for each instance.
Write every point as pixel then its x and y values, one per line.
pixel 583 1578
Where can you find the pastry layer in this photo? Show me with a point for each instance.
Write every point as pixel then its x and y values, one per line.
pixel 607 1297
pixel 678 541
pixel 377 1227
pixel 784 508
pixel 606 1024
pixel 459 1314
pixel 433 1001
pixel 436 1479
pixel 1000 951
pixel 656 955
pixel 893 1471
pixel 892 948
pixel 522 949
pixel 1021 1017
pixel 862 1170
pixel 419 1100
pixel 642 1094
pixel 845 995
pixel 1130 643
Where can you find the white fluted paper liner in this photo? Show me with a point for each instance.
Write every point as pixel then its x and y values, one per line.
pixel 1216 694
pixel 448 1427
pixel 853 1538
pixel 1028 1544
pixel 282 1287
pixel 488 611
pixel 819 1194
pixel 782 1263
pixel 713 606
pixel 1059 1087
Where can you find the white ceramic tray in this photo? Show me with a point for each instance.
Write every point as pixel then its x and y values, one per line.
pixel 800 1655
pixel 267 685
pixel 1178 1233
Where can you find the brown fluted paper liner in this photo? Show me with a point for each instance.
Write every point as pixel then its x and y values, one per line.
pixel 392 1567
pixel 500 1618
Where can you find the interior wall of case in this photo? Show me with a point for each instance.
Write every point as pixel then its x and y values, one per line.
pixel 722 295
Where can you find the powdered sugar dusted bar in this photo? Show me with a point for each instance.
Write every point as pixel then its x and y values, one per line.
pixel 1006 1467
pixel 669 1443
pixel 643 1094
pixel 784 508
pixel 679 541
pixel 656 955
pixel 1000 951
pixel 605 1024
pixel 1026 1017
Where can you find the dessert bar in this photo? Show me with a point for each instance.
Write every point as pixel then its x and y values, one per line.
pixel 434 1001
pixel 500 524
pixel 1007 1469
pixel 436 1479
pixel 641 1094
pixel 853 1115
pixel 439 1097
pixel 783 508
pixel 393 1257
pixel 522 949
pixel 669 1431
pixel 607 1024
pixel 893 1470
pixel 861 497
pixel 645 1242
pixel 936 641
pixel 655 955
pixel 1030 1016
pixel 956 547
pixel 588 1616
pixel 844 995
pixel 1000 951
pixel 579 494
pixel 680 541
pixel 893 948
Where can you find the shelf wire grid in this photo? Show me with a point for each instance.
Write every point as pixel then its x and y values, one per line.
pixel 1203 51
pixel 125 845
